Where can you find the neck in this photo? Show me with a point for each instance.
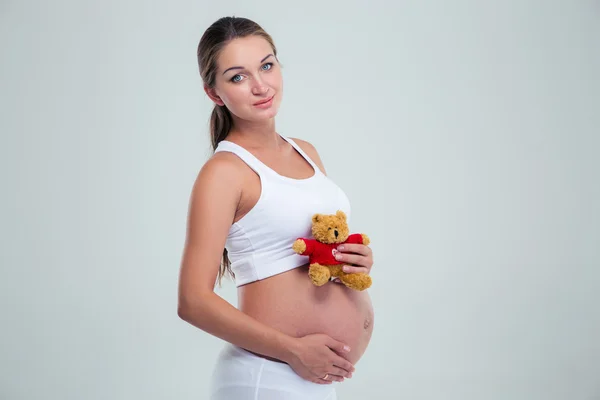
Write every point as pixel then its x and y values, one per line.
pixel 255 134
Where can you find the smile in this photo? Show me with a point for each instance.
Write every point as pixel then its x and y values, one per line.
pixel 265 102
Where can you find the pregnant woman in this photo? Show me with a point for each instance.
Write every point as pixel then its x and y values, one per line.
pixel 287 339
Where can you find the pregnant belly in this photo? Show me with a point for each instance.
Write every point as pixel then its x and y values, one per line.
pixel 290 303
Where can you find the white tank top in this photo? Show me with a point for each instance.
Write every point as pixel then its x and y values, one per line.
pixel 260 244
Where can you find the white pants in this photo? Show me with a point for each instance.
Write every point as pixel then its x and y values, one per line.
pixel 241 375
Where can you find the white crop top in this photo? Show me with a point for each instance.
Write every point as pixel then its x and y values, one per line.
pixel 259 245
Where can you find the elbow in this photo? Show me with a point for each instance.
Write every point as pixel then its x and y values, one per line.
pixel 185 309
pixel 191 305
pixel 182 311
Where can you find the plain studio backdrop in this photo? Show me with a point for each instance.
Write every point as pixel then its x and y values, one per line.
pixel 465 133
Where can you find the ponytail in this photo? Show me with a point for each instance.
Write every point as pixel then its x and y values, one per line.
pixel 220 125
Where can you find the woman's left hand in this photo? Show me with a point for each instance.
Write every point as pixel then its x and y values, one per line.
pixel 357 257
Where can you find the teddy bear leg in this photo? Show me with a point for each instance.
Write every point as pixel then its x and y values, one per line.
pixel 336 270
pixel 359 281
pixel 319 274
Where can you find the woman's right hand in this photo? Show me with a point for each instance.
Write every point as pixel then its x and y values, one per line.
pixel 315 357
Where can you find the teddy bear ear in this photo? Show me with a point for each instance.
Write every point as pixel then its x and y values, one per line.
pixel 316 218
pixel 341 214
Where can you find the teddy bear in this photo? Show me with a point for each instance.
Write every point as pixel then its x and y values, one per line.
pixel 330 231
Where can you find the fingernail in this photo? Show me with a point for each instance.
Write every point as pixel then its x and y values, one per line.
pixel 346 269
pixel 347 348
pixel 340 248
pixel 338 256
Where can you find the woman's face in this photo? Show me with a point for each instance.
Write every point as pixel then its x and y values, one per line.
pixel 247 74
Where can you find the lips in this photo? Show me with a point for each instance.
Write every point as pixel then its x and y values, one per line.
pixel 264 101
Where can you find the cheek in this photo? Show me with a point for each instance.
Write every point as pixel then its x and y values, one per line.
pixel 234 97
pixel 274 80
pixel 277 82
pixel 278 88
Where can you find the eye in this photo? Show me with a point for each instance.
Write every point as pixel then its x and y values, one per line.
pixel 329 229
pixel 270 65
pixel 234 79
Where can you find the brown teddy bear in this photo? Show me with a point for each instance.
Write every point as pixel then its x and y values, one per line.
pixel 330 231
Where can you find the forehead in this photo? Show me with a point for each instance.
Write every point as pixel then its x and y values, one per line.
pixel 244 52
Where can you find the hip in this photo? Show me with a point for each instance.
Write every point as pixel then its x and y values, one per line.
pixel 241 375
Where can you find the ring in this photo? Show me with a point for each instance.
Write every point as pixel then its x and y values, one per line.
pixel 325 377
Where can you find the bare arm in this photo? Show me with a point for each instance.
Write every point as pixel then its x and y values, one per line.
pixel 212 208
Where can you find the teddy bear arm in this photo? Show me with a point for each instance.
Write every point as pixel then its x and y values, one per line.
pixel 359 238
pixel 365 239
pixel 299 246
pixel 307 246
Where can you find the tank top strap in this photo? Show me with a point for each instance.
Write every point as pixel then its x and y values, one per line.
pixel 244 154
pixel 302 153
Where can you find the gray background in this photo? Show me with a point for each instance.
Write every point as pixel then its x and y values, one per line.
pixel 465 133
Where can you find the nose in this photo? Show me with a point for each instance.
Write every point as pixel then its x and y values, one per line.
pixel 259 88
pixel 335 233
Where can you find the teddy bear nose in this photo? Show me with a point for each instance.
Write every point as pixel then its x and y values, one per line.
pixel 335 233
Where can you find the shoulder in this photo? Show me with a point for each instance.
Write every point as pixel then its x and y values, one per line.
pixel 310 151
pixel 222 164
pixel 222 172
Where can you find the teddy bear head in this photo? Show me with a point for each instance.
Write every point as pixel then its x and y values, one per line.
pixel 330 228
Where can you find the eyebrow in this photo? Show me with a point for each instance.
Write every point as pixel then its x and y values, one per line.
pixel 229 69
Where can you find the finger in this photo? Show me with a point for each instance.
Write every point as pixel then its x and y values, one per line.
pixel 340 372
pixel 337 280
pixel 349 258
pixel 350 269
pixel 318 378
pixel 334 378
pixel 355 248
pixel 338 346
pixel 344 364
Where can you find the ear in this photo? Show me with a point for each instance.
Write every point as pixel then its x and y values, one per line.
pixel 341 214
pixel 316 218
pixel 212 94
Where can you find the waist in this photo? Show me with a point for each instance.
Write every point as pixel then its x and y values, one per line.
pixel 264 356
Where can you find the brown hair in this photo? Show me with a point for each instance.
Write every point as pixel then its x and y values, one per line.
pixel 212 42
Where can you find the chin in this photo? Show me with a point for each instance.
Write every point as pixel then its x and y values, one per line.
pixel 262 115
